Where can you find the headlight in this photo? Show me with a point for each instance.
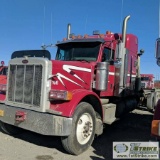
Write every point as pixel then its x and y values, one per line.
pixel 60 95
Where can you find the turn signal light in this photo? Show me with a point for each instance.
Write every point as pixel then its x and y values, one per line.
pixel 3 88
pixel 60 95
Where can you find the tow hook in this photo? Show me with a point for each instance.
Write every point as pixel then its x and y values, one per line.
pixel 20 116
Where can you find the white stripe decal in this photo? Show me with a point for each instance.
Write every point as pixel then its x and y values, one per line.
pixel 68 68
pixel 60 76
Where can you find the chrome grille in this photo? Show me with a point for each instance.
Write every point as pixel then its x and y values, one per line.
pixel 25 84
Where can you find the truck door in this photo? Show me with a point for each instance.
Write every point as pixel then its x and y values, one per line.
pixel 108 56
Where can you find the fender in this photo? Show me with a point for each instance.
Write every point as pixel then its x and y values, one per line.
pixel 67 108
pixel 156 121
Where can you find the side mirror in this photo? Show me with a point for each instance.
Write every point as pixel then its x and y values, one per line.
pixel 157 54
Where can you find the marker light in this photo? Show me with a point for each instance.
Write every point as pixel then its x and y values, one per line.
pixel 3 88
pixel 73 37
pixel 60 95
pixel 86 36
pixel 101 35
pixel 108 32
pixel 79 36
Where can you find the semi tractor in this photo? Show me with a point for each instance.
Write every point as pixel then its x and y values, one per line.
pixel 3 81
pixel 151 92
pixel 94 80
pixel 147 81
pixel 155 127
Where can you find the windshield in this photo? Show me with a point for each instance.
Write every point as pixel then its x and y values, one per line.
pixel 78 51
pixel 144 78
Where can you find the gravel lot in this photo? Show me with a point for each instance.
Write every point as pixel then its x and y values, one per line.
pixel 31 146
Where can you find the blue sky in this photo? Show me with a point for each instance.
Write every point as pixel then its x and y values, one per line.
pixel 27 24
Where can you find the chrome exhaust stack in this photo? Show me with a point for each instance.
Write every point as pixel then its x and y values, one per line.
pixel 68 30
pixel 124 28
pixel 122 56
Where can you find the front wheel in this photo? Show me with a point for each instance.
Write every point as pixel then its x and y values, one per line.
pixel 9 129
pixel 83 130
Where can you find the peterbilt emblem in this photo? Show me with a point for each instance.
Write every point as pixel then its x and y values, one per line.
pixel 24 61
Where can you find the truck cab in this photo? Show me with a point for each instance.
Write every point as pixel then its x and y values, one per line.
pixel 147 81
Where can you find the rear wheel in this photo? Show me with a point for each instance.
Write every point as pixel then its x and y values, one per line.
pixel 10 129
pixel 83 130
pixel 153 105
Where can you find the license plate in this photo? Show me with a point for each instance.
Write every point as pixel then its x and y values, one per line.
pixel 1 112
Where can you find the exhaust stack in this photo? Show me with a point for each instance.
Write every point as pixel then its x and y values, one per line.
pixel 122 56
pixel 124 29
pixel 68 30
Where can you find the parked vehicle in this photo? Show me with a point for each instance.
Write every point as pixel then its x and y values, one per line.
pixel 94 80
pixel 151 92
pixel 3 81
pixel 155 128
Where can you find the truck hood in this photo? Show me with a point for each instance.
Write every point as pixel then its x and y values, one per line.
pixel 71 75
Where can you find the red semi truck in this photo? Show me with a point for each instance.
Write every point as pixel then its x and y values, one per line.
pixel 94 80
pixel 147 81
pixel 3 81
pixel 151 92
pixel 155 128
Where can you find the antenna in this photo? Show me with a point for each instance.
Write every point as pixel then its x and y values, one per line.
pixel 51 29
pixel 159 18
pixel 44 11
pixel 121 16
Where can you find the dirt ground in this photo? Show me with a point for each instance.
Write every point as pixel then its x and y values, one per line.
pixel 31 146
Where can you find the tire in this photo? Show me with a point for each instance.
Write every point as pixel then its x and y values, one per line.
pixel 120 108
pixel 83 130
pixel 10 129
pixel 153 105
pixel 130 104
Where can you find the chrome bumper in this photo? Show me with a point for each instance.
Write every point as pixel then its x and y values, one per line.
pixel 42 123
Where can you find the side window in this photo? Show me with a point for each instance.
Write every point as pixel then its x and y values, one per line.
pixel 60 55
pixel 107 55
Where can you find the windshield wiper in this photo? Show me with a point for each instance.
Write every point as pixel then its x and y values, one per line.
pixel 82 60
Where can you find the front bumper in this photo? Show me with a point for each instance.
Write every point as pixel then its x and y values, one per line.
pixel 42 123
